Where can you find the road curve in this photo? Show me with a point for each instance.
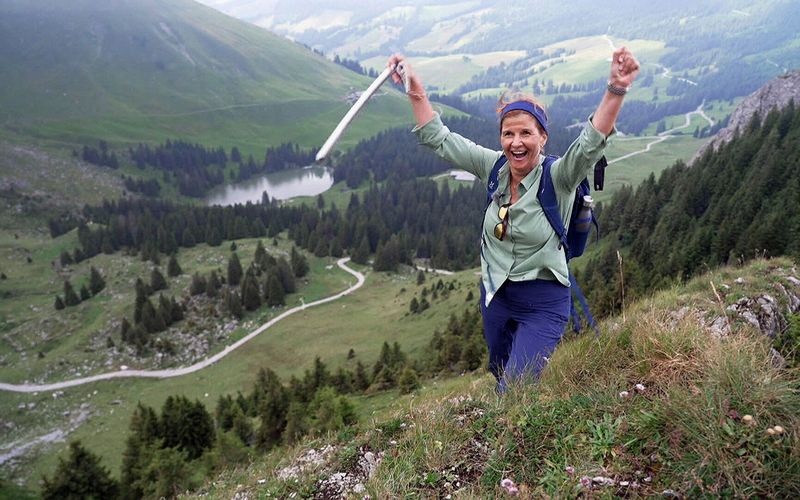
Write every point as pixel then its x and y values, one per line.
pixel 177 372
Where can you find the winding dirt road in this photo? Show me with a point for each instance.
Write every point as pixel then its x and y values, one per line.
pixel 177 372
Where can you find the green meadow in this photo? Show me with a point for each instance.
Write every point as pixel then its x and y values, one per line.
pixel 69 342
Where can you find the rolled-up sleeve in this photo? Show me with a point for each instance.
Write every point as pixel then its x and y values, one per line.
pixel 580 157
pixel 455 148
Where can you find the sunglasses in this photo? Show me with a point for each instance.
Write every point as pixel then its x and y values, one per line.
pixel 502 226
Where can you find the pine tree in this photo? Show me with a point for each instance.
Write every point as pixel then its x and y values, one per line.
pixel 124 330
pixel 286 276
pixel 143 432
pixel 299 263
pixel 187 426
pixel 251 298
pixel 296 422
pixel 271 401
pixel 361 380
pixel 242 426
pixel 59 304
pixel 330 412
pixel 84 293
pixel 420 277
pixel 80 475
pixel 361 255
pixel 234 270
pixel 212 285
pixel 173 268
pixel 408 381
pixel 275 296
pixel 96 281
pixel 157 280
pixel 198 284
pixel 234 304
pixel 260 255
pixel 70 297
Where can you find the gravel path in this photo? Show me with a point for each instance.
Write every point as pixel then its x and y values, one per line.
pixel 177 372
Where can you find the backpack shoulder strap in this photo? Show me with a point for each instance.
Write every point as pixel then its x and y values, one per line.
pixel 549 202
pixel 491 185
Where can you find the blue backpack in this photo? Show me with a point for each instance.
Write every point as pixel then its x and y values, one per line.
pixel 571 239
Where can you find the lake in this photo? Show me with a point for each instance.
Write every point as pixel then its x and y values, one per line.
pixel 306 181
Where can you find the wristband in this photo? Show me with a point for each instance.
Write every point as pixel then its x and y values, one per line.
pixel 617 90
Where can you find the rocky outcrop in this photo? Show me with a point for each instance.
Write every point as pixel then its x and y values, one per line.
pixel 776 93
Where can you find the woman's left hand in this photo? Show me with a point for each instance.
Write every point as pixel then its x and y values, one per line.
pixel 624 68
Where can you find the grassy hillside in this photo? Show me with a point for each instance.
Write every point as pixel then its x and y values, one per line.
pixel 72 342
pixel 662 403
pixel 146 70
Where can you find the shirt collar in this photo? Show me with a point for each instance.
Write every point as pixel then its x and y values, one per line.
pixel 528 180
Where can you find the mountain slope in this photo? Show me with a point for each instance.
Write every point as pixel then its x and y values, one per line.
pixel 131 70
pixel 655 406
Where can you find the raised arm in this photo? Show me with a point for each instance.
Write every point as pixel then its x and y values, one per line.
pixel 624 69
pixel 420 105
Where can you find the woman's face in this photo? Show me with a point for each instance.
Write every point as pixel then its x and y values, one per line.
pixel 522 140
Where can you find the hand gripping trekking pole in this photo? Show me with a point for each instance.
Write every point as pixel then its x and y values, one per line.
pixel 351 114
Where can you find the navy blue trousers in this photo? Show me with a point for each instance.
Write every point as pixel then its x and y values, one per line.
pixel 522 326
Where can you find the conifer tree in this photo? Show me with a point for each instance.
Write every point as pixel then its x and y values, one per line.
pixel 296 422
pixel 420 277
pixel 361 255
pixel 173 268
pixel 408 381
pixel 80 475
pixel 96 281
pixel 151 320
pixel 124 330
pixel 70 297
pixel 260 255
pixel 234 270
pixel 59 304
pixel 251 298
pixel 275 296
pixel 65 258
pixel 286 276
pixel 157 280
pixel 143 432
pixel 271 401
pixel 361 380
pixel 198 284
pixel 241 425
pixel 84 293
pixel 299 263
pixel 330 412
pixel 175 310
pixel 187 426
pixel 234 304
pixel 212 285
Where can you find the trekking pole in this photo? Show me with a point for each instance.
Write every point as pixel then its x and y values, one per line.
pixel 351 114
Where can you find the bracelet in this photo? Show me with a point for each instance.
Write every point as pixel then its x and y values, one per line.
pixel 617 90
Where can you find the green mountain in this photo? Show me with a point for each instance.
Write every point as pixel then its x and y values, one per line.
pixel 145 70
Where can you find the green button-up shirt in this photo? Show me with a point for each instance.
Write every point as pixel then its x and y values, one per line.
pixel 529 250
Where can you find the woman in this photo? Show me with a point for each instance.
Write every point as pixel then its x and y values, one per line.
pixel 525 296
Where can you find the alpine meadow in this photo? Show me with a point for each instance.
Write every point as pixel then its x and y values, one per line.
pixel 192 305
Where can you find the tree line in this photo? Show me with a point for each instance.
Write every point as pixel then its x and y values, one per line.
pixel 192 167
pixel 730 206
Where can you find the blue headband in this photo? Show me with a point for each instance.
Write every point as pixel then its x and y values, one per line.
pixel 530 108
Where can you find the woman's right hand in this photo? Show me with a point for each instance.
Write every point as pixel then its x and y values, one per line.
pixel 394 61
pixel 423 112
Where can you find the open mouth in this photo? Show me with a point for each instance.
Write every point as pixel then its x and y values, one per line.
pixel 519 155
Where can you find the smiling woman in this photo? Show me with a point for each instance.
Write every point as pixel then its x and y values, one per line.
pixel 525 294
